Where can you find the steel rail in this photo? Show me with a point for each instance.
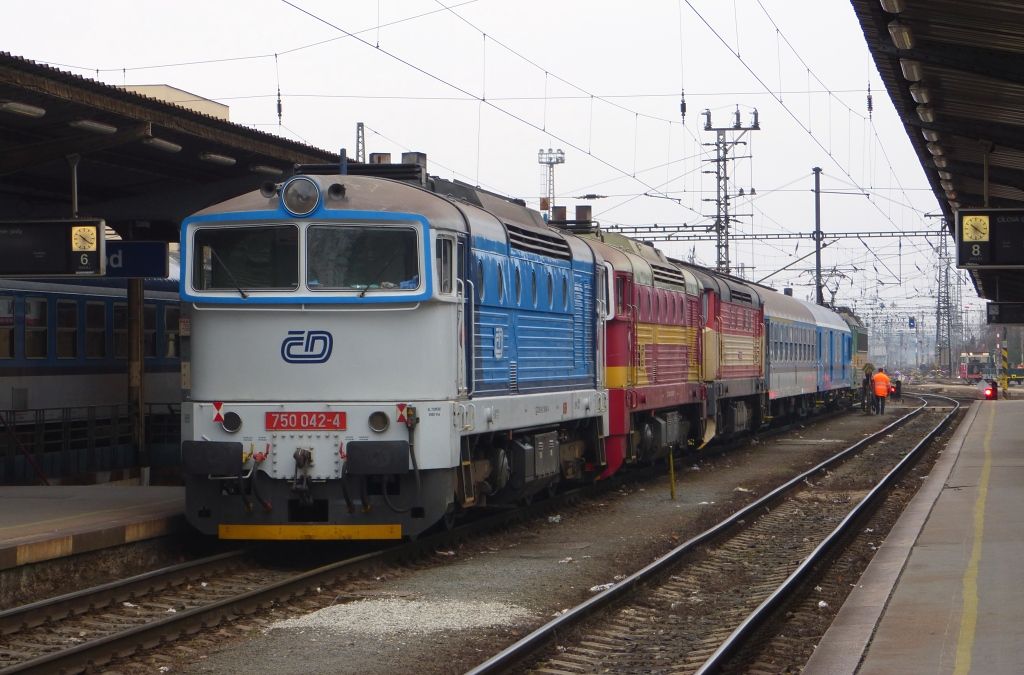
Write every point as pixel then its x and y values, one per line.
pixel 760 615
pixel 79 602
pixel 96 652
pixel 531 642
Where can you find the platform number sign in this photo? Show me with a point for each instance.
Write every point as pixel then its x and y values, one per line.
pixel 992 238
pixel 975 235
pixel 52 248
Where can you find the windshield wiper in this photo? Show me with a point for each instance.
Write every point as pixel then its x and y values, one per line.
pixel 380 273
pixel 238 286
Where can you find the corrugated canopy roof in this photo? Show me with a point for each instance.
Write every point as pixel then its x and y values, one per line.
pixel 143 162
pixel 957 81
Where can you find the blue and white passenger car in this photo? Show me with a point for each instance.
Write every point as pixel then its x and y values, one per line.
pixel 809 355
pixel 364 356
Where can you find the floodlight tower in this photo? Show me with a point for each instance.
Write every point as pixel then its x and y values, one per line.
pixel 550 158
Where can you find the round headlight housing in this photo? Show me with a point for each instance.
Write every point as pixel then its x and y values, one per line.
pixel 379 421
pixel 232 422
pixel 301 196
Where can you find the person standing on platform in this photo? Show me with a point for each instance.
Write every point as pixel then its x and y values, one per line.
pixel 881 383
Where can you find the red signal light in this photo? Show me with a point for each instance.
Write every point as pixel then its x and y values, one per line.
pixel 990 393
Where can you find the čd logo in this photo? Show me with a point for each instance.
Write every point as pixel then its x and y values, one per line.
pixel 307 346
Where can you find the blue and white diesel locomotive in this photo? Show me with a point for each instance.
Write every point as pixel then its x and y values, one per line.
pixel 361 354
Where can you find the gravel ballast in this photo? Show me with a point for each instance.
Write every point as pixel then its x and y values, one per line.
pixel 512 581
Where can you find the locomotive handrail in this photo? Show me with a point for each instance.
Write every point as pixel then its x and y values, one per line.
pixel 471 332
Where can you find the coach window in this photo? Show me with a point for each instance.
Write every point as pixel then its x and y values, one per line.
pixel 36 328
pixel 501 283
pixel 120 330
pixel 551 290
pixel 67 329
pixel 95 330
pixel 149 330
pixel 518 286
pixel 171 316
pixel 443 264
pixel 533 286
pixel 6 327
pixel 565 290
pixel 480 279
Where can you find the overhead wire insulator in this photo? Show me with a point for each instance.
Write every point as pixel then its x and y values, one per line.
pixel 682 105
pixel 871 102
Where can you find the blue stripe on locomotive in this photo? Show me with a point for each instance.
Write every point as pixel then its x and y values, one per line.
pixel 545 337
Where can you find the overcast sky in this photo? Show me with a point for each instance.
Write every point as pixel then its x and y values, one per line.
pixel 482 85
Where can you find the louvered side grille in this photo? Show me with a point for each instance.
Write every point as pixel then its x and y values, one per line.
pixel 740 296
pixel 668 275
pixel 538 242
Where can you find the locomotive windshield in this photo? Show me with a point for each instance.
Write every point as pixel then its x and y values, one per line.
pixel 246 258
pixel 361 257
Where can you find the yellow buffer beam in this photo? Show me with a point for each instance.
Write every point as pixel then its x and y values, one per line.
pixel 309 532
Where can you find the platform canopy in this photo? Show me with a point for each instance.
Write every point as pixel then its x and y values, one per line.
pixel 144 164
pixel 955 72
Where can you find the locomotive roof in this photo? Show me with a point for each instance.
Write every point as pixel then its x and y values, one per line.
pixel 730 289
pixel 362 193
pixel 647 264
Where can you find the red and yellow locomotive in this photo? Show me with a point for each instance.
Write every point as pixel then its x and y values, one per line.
pixel 684 353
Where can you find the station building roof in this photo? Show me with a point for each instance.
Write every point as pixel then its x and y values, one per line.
pixel 144 163
pixel 955 72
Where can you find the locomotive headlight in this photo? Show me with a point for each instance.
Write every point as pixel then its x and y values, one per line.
pixel 301 196
pixel 232 422
pixel 379 421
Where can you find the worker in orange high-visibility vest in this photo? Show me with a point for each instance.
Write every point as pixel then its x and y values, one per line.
pixel 881 383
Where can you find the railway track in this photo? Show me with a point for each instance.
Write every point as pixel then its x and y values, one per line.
pixel 89 628
pixel 693 610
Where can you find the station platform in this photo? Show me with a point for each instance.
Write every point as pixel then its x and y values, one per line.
pixel 944 593
pixel 45 523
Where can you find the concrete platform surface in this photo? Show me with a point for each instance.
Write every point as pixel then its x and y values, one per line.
pixel 43 523
pixel 944 592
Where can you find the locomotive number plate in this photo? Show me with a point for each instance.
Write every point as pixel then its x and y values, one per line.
pixel 287 421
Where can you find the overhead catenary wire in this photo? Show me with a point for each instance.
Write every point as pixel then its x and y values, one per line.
pixel 785 107
pixel 250 57
pixel 490 104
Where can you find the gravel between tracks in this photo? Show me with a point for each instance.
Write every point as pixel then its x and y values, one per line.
pixel 536 569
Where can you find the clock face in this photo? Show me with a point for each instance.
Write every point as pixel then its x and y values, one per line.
pixel 83 238
pixel 975 228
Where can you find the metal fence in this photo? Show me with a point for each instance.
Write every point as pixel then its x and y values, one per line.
pixel 47 444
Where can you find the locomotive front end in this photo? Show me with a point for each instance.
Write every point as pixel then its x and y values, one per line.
pixel 324 357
